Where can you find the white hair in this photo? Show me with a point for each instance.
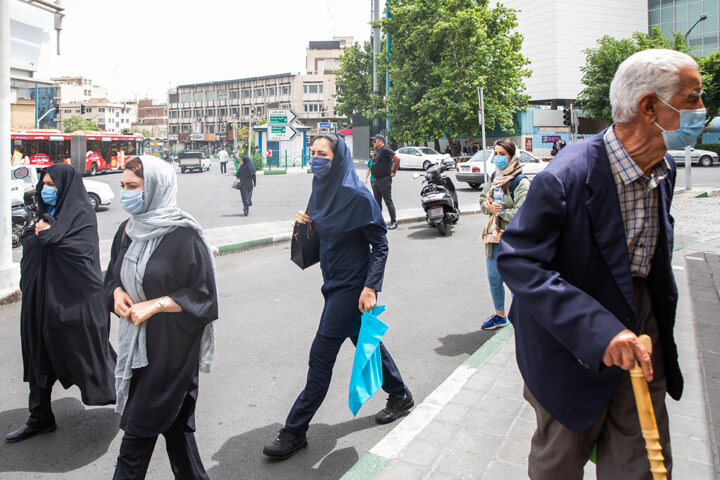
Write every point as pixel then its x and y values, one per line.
pixel 649 71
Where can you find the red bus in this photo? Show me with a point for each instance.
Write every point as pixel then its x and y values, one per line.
pixel 91 152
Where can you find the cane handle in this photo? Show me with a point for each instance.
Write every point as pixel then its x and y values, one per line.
pixel 646 415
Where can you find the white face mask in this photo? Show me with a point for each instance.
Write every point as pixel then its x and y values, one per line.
pixel 692 123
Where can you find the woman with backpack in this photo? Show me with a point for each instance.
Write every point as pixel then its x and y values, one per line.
pixel 501 198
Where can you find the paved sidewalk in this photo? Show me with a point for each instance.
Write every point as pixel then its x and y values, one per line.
pixel 476 425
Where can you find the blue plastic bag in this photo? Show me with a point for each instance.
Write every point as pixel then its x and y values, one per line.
pixel 367 375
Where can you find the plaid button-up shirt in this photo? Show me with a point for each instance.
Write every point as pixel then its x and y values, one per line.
pixel 638 203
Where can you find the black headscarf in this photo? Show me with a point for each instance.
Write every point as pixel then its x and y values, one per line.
pixel 340 202
pixel 73 211
pixel 247 169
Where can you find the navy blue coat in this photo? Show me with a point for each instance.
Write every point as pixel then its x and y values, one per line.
pixel 565 258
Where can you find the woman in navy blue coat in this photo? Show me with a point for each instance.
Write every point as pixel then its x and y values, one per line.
pixel 353 252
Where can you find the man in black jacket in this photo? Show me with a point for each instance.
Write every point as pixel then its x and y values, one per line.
pixel 383 168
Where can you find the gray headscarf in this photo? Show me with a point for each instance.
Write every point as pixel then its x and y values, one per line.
pixel 159 216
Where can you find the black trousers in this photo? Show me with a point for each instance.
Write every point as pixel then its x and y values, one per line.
pixel 41 415
pixel 223 167
pixel 323 353
pixel 185 461
pixel 382 190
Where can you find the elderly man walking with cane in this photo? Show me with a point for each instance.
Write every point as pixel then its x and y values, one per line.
pixel 588 258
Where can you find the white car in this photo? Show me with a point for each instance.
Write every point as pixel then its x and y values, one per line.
pixel 705 158
pixel 473 171
pixel 99 193
pixel 420 157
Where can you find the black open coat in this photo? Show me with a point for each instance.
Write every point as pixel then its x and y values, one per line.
pixel 64 323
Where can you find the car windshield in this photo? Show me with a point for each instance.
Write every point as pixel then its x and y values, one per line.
pixel 479 156
pixel 191 155
pixel 427 151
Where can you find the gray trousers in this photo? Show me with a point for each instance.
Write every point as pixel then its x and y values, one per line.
pixel 558 453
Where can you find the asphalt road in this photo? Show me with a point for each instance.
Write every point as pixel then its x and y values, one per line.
pixel 208 196
pixel 437 296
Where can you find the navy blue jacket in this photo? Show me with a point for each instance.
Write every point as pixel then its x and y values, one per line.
pixel 565 258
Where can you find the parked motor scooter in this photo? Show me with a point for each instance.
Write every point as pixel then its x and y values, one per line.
pixel 23 216
pixel 438 198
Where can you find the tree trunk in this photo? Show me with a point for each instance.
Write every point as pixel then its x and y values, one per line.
pixel 437 145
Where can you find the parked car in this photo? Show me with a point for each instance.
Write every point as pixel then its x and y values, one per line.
pixel 420 157
pixel 193 160
pixel 473 171
pixel 704 158
pixel 99 193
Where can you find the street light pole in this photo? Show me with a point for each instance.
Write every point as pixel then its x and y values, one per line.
pixel 688 160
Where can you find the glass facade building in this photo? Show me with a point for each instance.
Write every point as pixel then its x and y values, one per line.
pixel 680 15
pixel 46 101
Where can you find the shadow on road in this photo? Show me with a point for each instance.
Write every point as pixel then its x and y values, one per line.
pixel 82 437
pixel 426 232
pixel 241 456
pixel 463 343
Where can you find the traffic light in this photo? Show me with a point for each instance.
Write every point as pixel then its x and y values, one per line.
pixel 566 117
pixel 82 109
pixel 57 109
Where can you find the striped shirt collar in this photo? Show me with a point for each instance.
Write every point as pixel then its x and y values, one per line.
pixel 625 168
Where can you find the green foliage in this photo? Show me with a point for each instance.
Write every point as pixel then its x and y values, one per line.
pixel 76 122
pixel 354 83
pixel 144 132
pixel 441 52
pixel 713 147
pixel 710 71
pixel 602 62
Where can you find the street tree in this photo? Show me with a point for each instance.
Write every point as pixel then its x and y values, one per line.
pixel 76 122
pixel 354 83
pixel 441 52
pixel 710 70
pixel 602 62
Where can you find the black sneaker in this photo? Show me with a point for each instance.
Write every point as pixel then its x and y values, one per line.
pixel 395 408
pixel 285 445
pixel 392 226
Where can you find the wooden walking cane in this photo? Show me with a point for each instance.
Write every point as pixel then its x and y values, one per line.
pixel 647 416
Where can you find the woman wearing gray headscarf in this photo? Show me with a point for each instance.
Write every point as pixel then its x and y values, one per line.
pixel 161 281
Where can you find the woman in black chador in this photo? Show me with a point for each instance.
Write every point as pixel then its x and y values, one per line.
pixel 353 251
pixel 161 282
pixel 246 174
pixel 63 321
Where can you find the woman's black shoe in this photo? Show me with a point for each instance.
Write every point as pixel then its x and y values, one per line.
pixel 26 431
pixel 395 408
pixel 285 445
pixel 246 210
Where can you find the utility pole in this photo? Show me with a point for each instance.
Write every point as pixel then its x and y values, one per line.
pixel 481 119
pixel 387 74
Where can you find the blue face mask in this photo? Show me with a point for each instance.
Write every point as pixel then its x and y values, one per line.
pixel 501 162
pixel 49 195
pixel 132 201
pixel 692 123
pixel 320 166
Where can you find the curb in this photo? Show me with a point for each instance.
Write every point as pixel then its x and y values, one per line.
pixel 393 444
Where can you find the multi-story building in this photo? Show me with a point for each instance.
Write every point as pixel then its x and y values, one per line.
pixel 77 90
pixel 107 115
pixel 152 117
pixel 680 15
pixel 46 101
pixel 201 114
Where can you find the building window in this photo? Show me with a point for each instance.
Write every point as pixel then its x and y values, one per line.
pixel 173 129
pixel 312 107
pixel 284 89
pixel 186 97
pixel 234 94
pixel 173 114
pixel 258 92
pixel 312 88
pixel 210 129
pixel 88 110
pixel 187 113
pixel 210 112
pixel 198 96
pixel 246 93
pixel 101 109
pixel 246 110
pixel 198 113
pixel 271 91
pixel 222 112
pixel 260 110
pixel 210 95
pixel 173 98
pixel 234 111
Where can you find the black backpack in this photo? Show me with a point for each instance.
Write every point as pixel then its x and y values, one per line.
pixel 513 185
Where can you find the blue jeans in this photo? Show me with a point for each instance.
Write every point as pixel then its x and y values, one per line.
pixel 497 288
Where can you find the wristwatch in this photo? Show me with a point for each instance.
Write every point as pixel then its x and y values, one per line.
pixel 163 302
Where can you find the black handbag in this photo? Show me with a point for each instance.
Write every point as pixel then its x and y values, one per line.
pixel 304 245
pixel 236 184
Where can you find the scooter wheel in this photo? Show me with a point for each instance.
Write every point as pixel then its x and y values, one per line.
pixel 442 228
